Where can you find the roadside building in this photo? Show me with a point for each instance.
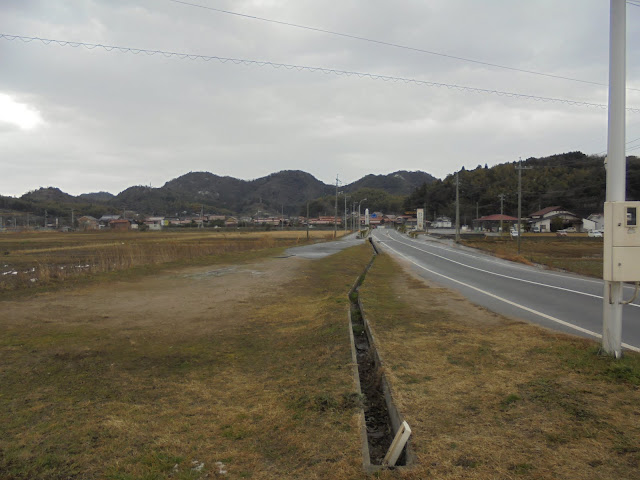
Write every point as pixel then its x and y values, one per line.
pixel 542 220
pixel 120 224
pixel 231 222
pixel 154 223
pixel 598 221
pixel 104 220
pixel 87 222
pixel 442 222
pixel 491 223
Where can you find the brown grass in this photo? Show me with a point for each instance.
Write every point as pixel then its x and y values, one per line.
pixel 575 253
pixel 29 260
pixel 489 397
pixel 248 366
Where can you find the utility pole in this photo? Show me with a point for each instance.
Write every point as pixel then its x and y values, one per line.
pixel 457 207
pixel 45 219
pixel 519 168
pixel 72 219
pixel 345 214
pixel 501 197
pixel 307 220
pixel 335 217
pixel 426 224
pixel 616 169
pixel 353 214
pixel 282 210
pixel 359 205
pixel 202 216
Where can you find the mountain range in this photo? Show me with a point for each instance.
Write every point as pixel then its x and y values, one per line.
pixel 289 190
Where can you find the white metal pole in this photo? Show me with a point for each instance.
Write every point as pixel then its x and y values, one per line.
pixel 616 167
pixel 457 207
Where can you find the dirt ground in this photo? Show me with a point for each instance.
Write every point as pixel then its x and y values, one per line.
pixel 244 367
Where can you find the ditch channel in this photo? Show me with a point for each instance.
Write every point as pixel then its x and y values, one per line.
pixel 380 419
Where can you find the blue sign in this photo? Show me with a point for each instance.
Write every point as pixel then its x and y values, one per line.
pixel 373 215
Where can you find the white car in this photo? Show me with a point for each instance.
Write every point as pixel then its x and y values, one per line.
pixel 594 233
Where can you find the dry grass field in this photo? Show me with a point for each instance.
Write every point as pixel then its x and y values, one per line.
pixel 237 365
pixel 575 253
pixel 489 397
pixel 236 370
pixel 36 259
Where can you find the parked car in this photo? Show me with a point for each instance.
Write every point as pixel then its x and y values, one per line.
pixel 594 233
pixel 561 233
pixel 570 230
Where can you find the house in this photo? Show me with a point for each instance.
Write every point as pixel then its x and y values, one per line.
pixel 598 221
pixel 154 223
pixel 542 220
pixel 231 222
pixel 120 224
pixel 88 222
pixel 492 223
pixel 105 219
pixel 328 220
pixel 442 222
pixel 273 221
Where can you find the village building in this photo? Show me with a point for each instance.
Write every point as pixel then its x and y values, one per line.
pixel 120 224
pixel 442 222
pixel 154 223
pixel 87 222
pixel 541 221
pixel 492 223
pixel 595 221
pixel 104 220
pixel 231 222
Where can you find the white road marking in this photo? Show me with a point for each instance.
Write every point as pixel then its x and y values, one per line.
pixel 543 272
pixel 509 302
pixel 505 276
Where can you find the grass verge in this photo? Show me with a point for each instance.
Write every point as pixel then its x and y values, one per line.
pixel 576 254
pixel 259 389
pixel 488 397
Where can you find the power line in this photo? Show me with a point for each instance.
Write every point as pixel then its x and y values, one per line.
pixel 633 4
pixel 627 143
pixel 327 71
pixel 390 44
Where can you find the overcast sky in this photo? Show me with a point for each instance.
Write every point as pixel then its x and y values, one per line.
pixel 88 120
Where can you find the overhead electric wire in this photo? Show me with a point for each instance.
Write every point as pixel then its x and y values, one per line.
pixel 391 44
pixel 626 143
pixel 327 71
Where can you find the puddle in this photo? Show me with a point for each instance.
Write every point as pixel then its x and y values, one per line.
pixel 212 273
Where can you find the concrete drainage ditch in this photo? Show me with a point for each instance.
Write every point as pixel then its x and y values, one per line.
pixel 380 420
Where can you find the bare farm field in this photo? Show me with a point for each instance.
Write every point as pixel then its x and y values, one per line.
pixel 238 365
pixel 235 370
pixel 42 259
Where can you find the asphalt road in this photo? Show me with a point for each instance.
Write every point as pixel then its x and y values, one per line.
pixel 324 249
pixel 566 302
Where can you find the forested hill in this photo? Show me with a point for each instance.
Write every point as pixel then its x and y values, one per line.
pixel 288 190
pixel 572 180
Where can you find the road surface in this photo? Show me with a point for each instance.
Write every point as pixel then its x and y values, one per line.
pixel 566 302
